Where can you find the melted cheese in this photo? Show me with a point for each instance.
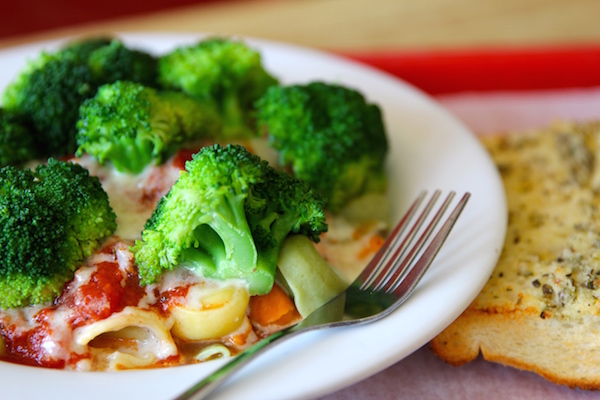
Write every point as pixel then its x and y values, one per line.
pixel 132 197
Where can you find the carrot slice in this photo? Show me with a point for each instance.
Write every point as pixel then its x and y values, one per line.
pixel 372 246
pixel 272 307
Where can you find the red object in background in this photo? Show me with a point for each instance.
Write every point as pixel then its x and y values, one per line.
pixel 20 17
pixel 521 68
pixel 434 71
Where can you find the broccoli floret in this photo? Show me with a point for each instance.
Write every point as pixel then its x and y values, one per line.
pixel 49 91
pixel 198 118
pixel 222 70
pixel 81 49
pixel 111 60
pixel 329 136
pixel 116 62
pixel 52 218
pixel 132 125
pixel 17 139
pixel 226 217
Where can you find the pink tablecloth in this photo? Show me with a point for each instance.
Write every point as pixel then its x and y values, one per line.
pixel 423 375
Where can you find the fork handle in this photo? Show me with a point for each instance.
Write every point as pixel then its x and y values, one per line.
pixel 206 386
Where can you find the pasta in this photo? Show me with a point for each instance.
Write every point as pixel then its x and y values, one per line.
pixel 106 320
pixel 210 314
pixel 145 332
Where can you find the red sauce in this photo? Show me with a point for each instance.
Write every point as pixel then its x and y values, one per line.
pixel 97 299
pixel 26 347
pixel 154 187
pixel 182 157
pixel 168 361
pixel 172 297
pixel 102 296
pixel 108 290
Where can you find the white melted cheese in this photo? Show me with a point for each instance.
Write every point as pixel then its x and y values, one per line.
pixel 132 197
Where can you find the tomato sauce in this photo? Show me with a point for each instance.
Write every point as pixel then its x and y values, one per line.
pixel 183 156
pixel 107 290
pixel 103 295
pixel 27 347
pixel 172 297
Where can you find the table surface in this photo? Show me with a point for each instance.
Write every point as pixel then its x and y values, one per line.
pixel 373 26
pixel 341 24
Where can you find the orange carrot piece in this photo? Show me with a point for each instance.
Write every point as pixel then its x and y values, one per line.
pixel 372 246
pixel 271 307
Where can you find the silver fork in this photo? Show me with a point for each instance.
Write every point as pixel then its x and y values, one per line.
pixel 385 283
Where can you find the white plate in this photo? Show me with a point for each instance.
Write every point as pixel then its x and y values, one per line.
pixel 429 149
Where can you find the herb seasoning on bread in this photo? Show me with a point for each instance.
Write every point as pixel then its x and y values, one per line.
pixel 540 309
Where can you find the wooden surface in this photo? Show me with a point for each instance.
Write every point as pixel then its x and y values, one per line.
pixel 349 24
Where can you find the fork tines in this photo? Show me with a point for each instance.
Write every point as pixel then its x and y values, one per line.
pixel 401 260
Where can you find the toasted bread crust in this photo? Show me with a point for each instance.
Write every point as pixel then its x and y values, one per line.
pixel 540 310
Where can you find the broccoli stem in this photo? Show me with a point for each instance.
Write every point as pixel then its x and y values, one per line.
pixel 280 229
pixel 132 154
pixel 208 252
pixel 235 120
pixel 225 249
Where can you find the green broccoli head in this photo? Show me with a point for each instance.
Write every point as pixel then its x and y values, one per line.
pixel 132 125
pixel 49 91
pixel 110 60
pixel 199 119
pixel 329 136
pixel 18 142
pixel 115 62
pixel 52 218
pixel 280 206
pixel 226 216
pixel 70 187
pixel 128 124
pixel 81 49
pixel 225 71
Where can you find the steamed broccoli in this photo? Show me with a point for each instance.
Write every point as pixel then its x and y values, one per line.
pixel 132 125
pixel 115 61
pixel 221 70
pixel 329 136
pixel 81 49
pixel 50 89
pixel 52 218
pixel 227 217
pixel 17 139
pixel 198 118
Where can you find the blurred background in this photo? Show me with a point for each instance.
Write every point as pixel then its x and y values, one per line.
pixel 441 46
pixel 340 25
